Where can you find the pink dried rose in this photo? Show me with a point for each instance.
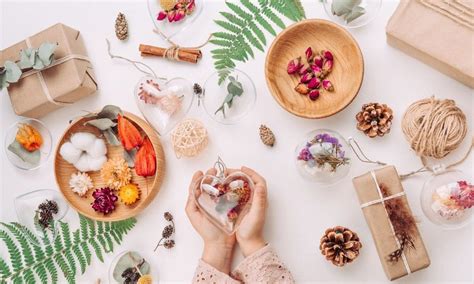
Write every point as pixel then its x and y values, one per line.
pixel 314 83
pixel 309 54
pixel 306 77
pixel 465 197
pixel 161 16
pixel 327 66
pixel 318 61
pixel 294 66
pixel 313 95
pixel 327 85
pixel 327 55
pixel 304 69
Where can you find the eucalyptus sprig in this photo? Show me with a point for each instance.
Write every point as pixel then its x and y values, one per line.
pixel 30 58
pixel 349 10
pixel 234 89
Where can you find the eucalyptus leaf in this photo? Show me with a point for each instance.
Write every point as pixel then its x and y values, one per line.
pixel 129 157
pixel 101 123
pixel 38 63
pixel 3 80
pixel 354 14
pixel 27 58
pixel 129 260
pixel 13 72
pixel 110 112
pixel 111 138
pixel 46 53
pixel 234 87
pixel 32 158
pixel 341 7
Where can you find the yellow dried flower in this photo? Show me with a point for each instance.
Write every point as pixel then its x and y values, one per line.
pixel 116 173
pixel 129 194
pixel 167 4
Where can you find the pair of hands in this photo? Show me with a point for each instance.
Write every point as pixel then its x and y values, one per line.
pixel 218 246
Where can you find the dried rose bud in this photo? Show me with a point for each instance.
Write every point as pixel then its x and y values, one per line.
pixel 327 66
pixel 309 54
pixel 294 66
pixel 306 77
pixel 318 61
pixel 161 16
pixel 303 69
pixel 327 55
pixel 316 70
pixel 191 6
pixel 302 89
pixel 327 85
pixel 313 95
pixel 171 15
pixel 179 15
pixel 314 83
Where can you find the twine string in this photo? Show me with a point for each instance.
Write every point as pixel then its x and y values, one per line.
pixel 172 52
pixel 140 66
pixel 360 154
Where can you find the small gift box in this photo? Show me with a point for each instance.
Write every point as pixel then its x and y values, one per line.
pixel 386 210
pixel 439 33
pixel 68 79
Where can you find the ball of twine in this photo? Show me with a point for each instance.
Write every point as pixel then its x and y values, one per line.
pixel 434 128
pixel 189 138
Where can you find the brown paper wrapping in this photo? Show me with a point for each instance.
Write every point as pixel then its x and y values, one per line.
pixel 379 223
pixel 434 38
pixel 67 82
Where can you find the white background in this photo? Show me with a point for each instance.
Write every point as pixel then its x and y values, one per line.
pixel 299 211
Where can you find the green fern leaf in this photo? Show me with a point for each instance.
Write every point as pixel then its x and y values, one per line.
pixel 28 277
pixel 40 270
pixel 13 251
pixel 233 19
pixel 97 249
pixel 4 269
pixel 223 35
pixel 266 25
pixel 61 261
pixel 228 26
pixel 23 241
pixel 39 253
pixel 258 32
pixel 221 42
pixel 51 268
pixel 78 253
pixel 240 12
pixel 250 6
pixel 87 253
pixel 273 17
pixel 83 224
pixel 252 39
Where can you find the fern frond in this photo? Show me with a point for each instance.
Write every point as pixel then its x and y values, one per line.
pixel 243 27
pixel 68 250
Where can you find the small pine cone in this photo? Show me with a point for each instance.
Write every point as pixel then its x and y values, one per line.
pixel 168 216
pixel 121 27
pixel 267 136
pixel 197 89
pixel 374 119
pixel 340 245
pixel 169 244
pixel 167 231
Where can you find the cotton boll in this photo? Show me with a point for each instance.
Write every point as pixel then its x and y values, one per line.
pixel 83 140
pixel 98 149
pixel 70 153
pixel 95 164
pixel 83 163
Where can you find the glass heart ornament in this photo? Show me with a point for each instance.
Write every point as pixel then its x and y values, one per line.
pixel 225 200
pixel 27 212
pixel 163 102
pixel 171 17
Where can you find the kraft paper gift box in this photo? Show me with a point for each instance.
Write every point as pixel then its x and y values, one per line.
pixel 68 79
pixel 369 193
pixel 439 33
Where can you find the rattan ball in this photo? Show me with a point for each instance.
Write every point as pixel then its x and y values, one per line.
pixel 189 138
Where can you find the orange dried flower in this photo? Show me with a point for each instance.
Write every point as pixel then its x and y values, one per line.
pixel 29 137
pixel 145 160
pixel 128 134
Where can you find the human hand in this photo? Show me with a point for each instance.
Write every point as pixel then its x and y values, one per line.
pixel 218 246
pixel 250 232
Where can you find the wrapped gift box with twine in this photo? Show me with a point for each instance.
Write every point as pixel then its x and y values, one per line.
pixel 439 33
pixel 68 79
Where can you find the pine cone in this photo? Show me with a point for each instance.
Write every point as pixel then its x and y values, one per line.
pixel 375 119
pixel 267 136
pixel 340 245
pixel 121 27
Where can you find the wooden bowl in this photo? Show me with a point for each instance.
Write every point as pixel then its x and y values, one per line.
pixel 149 186
pixel 346 76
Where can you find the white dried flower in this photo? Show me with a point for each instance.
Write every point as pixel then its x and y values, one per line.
pixel 80 183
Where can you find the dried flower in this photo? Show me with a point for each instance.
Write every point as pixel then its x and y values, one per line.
pixel 28 137
pixel 116 173
pixel 177 11
pixel 327 55
pixel 167 233
pixel 145 279
pixel 306 77
pixel 104 200
pixel 44 213
pixel 327 85
pixel 309 54
pixel 128 134
pixel 145 160
pixel 318 61
pixel 129 194
pixel 314 83
pixel 294 66
pixel 80 183
pixel 302 89
pixel 327 66
pixel 313 95
pixel 324 152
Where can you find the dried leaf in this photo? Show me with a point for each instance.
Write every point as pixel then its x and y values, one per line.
pixel 110 112
pixel 101 123
pixel 13 72
pixel 111 138
pixel 32 158
pixel 46 53
pixel 27 58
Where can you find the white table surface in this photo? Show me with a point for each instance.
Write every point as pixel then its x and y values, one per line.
pixel 299 211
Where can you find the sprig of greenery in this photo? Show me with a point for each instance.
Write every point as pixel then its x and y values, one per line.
pixel 234 89
pixel 70 252
pixel 243 26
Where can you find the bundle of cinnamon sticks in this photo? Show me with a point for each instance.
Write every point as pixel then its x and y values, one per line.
pixel 190 55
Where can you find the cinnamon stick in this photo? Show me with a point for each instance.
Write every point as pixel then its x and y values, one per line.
pixel 184 54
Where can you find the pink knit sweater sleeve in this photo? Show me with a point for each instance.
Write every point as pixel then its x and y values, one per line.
pixel 263 266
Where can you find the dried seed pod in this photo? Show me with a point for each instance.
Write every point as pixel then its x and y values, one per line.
pixel 267 136
pixel 121 27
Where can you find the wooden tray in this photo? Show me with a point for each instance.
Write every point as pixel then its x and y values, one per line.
pixel 346 76
pixel 149 186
